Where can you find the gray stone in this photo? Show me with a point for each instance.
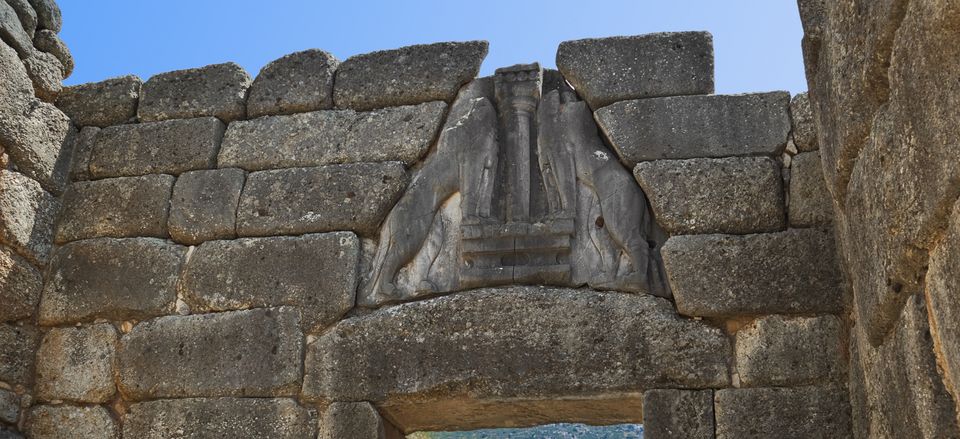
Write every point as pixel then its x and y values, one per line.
pixel 20 286
pixel 18 343
pixel 356 420
pixel 76 364
pixel 210 418
pixel 328 137
pixel 9 407
pixel 167 147
pixel 218 90
pixel 810 202
pixel 791 272
pixel 204 205
pixel 28 17
pixel 672 413
pixel 784 351
pixel 48 14
pixel 255 353
pixel 295 83
pixel 799 413
pixel 9 432
pixel 46 72
pixel 109 102
pixel 82 150
pixel 317 273
pixel 27 215
pixel 942 284
pixel 326 198
pixel 36 135
pixel 12 31
pixel 730 195
pixel 408 75
pixel 114 279
pixel 116 207
pixel 804 126
pixel 68 421
pixel 607 70
pixel 684 127
pixel 48 41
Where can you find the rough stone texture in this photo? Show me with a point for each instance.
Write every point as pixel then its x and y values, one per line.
pixel 317 273
pixel 76 364
pixel 810 203
pixel 804 127
pixel 338 136
pixel 357 420
pixel 784 351
pixel 46 72
pixel 789 272
pixel 28 17
pixel 12 31
pixel 17 346
pixel 68 421
pixel 27 215
pixel 48 14
pixel 242 353
pixel 672 413
pixel 607 70
pixel 942 284
pixel 167 147
pixel 82 150
pixel 9 408
pixel 204 205
pixel 114 279
pixel 408 75
pixel 116 207
pixel 295 83
pixel 9 433
pixel 20 286
pixel 800 413
pixel 326 198
pixel 729 195
pixel 218 90
pixel 109 102
pixel 209 418
pixel 34 135
pixel 48 41
pixel 684 127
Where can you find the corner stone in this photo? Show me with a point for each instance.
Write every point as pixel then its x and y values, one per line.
pixel 116 207
pixel 204 205
pixel 68 421
pixel 807 412
pixel 218 90
pixel 675 414
pixel 295 83
pixel 101 104
pixel 221 418
pixel 783 351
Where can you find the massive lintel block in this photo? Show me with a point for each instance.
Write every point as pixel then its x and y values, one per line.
pixel 220 418
pixel 20 285
pixel 116 207
pixel 167 147
pixel 218 90
pixel 101 104
pixel 27 214
pixel 295 83
pixel 806 412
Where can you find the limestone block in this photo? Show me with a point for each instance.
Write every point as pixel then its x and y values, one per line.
pixel 35 136
pixel 326 198
pixel 82 150
pixel 27 215
pixel 408 75
pixel 942 284
pixel 20 286
pixel 803 123
pixel 114 279
pixel 672 413
pixel 295 83
pixel 684 127
pixel 48 41
pixel 28 17
pixel 218 90
pixel 46 72
pixel 791 272
pixel 166 147
pixel 357 420
pixel 48 14
pixel 810 202
pixel 18 343
pixel 116 207
pixel 204 205
pixel 254 353
pixel 728 195
pixel 76 364
pixel 317 273
pixel 109 102
pixel 9 408
pixel 12 31
pixel 607 70
pixel 199 418
pixel 69 421
pixel 784 351
pixel 804 412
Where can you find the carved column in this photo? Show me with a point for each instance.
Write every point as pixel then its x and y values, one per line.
pixel 518 92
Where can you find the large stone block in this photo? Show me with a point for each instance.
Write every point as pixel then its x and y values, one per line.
pixel 114 279
pixel 684 127
pixel 800 413
pixel 20 286
pixel 728 195
pixel 218 90
pixel 810 201
pixel 109 102
pixel 12 31
pixel 82 150
pixel 357 420
pixel 607 70
pixel 76 364
pixel 69 421
pixel 18 343
pixel 942 284
pixel 27 214
pixel 408 75
pixel 337 136
pixel 783 351
pixel 116 207
pixel 48 41
pixel 204 205
pixel 803 123
pixel 672 413
pixel 36 136
pixel 322 199
pixel 253 353
pixel 9 408
pixel 46 72
pixel 48 14
pixel 28 16
pixel 167 147
pixel 209 418
pixel 295 83
pixel 791 272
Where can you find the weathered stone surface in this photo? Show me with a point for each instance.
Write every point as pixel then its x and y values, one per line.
pixel 942 284
pixel 46 72
pixel 729 195
pixel 48 41
pixel 76 364
pixel 672 413
pixel 607 70
pixel 109 102
pixel 242 353
pixel 218 90
pixel 358 420
pixel 9 408
pixel 62 421
pixel 27 215
pixel 116 207
pixel 684 127
pixel 337 136
pixel 114 279
pixel 48 14
pixel 326 198
pixel 18 343
pixel 9 433
pixel 810 203
pixel 83 145
pixel 295 83
pixel 801 413
pixel 12 31
pixel 28 17
pixel 317 273
pixel 166 147
pixel 408 75
pixel 204 205
pixel 785 351
pixel 36 135
pixel 804 126
pixel 789 272
pixel 20 286
pixel 209 418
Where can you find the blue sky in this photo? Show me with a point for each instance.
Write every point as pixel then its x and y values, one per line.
pixel 757 42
